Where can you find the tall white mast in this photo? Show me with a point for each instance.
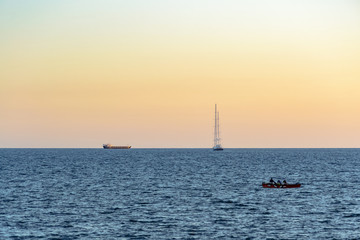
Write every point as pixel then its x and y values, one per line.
pixel 217 144
pixel 215 128
pixel 218 128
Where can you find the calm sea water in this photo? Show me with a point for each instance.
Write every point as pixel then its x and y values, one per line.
pixel 178 194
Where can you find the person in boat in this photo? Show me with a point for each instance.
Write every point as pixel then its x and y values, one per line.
pixel 284 182
pixel 272 181
pixel 278 183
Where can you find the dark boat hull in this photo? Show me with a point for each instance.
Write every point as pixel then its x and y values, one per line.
pixel 269 185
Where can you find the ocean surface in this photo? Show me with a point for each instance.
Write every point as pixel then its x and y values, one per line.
pixel 179 194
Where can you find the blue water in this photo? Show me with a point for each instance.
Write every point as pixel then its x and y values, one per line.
pixel 178 194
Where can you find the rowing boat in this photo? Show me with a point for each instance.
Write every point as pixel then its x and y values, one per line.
pixel 270 185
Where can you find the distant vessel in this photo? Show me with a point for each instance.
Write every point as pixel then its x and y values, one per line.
pixel 270 185
pixel 217 139
pixel 109 146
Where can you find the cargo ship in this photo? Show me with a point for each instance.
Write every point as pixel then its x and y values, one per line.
pixel 109 146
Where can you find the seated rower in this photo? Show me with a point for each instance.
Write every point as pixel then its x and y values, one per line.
pixel 272 181
pixel 278 183
pixel 284 182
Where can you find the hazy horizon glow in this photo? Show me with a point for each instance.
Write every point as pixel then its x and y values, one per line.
pixel 148 73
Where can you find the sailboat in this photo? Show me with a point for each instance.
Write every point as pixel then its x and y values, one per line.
pixel 217 143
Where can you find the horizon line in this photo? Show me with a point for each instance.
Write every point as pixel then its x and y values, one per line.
pixel 181 148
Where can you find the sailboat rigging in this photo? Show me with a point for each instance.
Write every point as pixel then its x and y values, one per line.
pixel 217 139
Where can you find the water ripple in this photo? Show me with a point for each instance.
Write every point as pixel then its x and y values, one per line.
pixel 178 194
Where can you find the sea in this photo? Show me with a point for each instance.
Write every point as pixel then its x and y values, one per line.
pixel 179 194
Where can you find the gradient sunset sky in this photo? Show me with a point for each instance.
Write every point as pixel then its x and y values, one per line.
pixel 80 73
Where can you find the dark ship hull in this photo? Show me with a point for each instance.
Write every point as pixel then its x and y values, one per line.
pixel 109 146
pixel 218 149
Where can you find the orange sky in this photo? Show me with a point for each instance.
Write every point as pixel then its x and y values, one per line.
pixel 148 73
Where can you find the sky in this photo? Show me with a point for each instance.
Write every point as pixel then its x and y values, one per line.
pixel 147 73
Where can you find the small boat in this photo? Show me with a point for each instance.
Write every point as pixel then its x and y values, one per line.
pixel 271 185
